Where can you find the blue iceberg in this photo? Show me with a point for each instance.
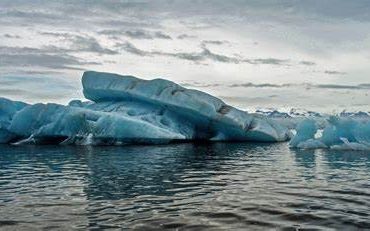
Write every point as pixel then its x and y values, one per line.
pixel 126 109
pixel 341 133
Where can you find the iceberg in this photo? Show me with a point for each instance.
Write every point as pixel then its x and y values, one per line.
pixel 341 133
pixel 126 109
pixel 8 109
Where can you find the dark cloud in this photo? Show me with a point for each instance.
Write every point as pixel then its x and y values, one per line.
pixel 269 10
pixel 214 42
pixel 335 72
pixel 161 35
pixel 32 72
pixel 79 43
pixel 130 48
pixel 90 44
pixel 124 24
pixel 30 15
pixel 136 34
pixel 186 36
pixel 271 61
pixel 139 34
pixel 40 60
pixel 305 85
pixel 23 57
pixel 346 87
pixel 307 63
pixel 11 36
pixel 263 85
pixel 64 35
pixel 204 55
pixel 197 84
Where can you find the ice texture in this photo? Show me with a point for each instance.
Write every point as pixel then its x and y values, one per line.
pixel 339 133
pixel 126 109
pixel 8 109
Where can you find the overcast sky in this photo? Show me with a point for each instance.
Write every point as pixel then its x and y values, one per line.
pixel 273 53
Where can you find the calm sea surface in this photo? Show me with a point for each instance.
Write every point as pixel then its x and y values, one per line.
pixel 220 186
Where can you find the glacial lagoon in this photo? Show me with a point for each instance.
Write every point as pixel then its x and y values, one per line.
pixel 216 186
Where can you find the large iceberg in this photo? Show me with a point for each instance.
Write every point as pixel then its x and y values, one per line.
pixel 339 133
pixel 126 109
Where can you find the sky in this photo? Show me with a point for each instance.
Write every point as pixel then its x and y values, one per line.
pixel 282 54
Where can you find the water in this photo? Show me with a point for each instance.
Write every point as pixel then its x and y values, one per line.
pixel 219 186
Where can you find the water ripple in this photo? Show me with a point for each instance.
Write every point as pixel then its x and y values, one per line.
pixel 183 187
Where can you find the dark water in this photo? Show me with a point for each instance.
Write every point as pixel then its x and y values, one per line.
pixel 184 187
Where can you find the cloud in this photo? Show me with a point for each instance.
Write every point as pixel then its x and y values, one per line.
pixel 32 72
pixel 130 48
pixel 24 57
pixel 346 87
pixel 161 35
pixel 214 42
pixel 263 85
pixel 36 88
pixel 90 44
pixel 195 84
pixel 334 73
pixel 40 60
pixel 186 36
pixel 307 63
pixel 11 36
pixel 137 34
pixel 79 43
pixel 201 85
pixel 271 61
pixel 305 85
pixel 204 55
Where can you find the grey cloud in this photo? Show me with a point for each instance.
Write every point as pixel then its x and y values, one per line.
pixel 137 34
pixel 130 48
pixel 305 85
pixel 214 42
pixel 161 35
pixel 64 35
pixel 40 60
pixel 263 85
pixel 37 87
pixel 271 61
pixel 186 36
pixel 31 15
pixel 124 24
pixel 346 87
pixel 334 73
pixel 268 10
pixel 80 43
pixel 196 84
pixel 307 63
pixel 11 36
pixel 32 72
pixel 204 55
pixel 90 44
pixel 26 80
pixel 23 57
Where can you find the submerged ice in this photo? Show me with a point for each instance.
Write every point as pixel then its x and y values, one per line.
pixel 126 109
